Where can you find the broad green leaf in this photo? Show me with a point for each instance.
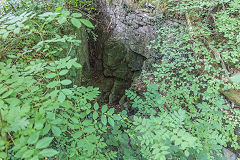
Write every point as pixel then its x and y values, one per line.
pixel 235 78
pixel 8 93
pixel 5 35
pixel 34 158
pixel 2 31
pixel 95 115
pixel 67 91
pixel 48 152
pixel 104 108
pixel 76 22
pixel 62 19
pixel 116 117
pixel 111 111
pixel 33 138
pixel 56 131
pixel 186 153
pixel 111 121
pixel 87 23
pixel 3 155
pixel 53 84
pixel 61 97
pixel 59 8
pixel 96 106
pixel 63 72
pixel 27 153
pixel 104 120
pixel 17 30
pixel 77 134
pixel 44 143
pixel 50 75
pixel 76 15
pixel 66 82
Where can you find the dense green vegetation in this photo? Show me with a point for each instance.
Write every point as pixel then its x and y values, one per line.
pixel 179 112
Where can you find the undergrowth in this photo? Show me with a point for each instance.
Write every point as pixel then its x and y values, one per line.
pixel 179 113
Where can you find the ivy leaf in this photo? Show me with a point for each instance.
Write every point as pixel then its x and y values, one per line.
pixel 66 82
pixel 76 22
pixel 95 115
pixel 104 108
pixel 61 97
pixel 44 143
pixel 87 23
pixel 33 138
pixel 104 120
pixel 48 152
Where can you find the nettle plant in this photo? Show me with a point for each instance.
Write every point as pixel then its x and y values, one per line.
pixel 41 115
pixel 181 113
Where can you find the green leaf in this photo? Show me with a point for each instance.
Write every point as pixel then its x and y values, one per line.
pixel 67 91
pixel 56 131
pixel 116 117
pixel 66 82
pixel 44 143
pixel 17 30
pixel 76 15
pixel 3 155
pixel 62 19
pixel 235 78
pixel 186 153
pixel 50 75
pixel 53 84
pixel 63 72
pixel 111 111
pixel 61 97
pixel 96 106
pixel 5 35
pixel 48 152
pixel 95 115
pixel 33 138
pixel 77 134
pixel 104 108
pixel 111 121
pixel 28 154
pixel 2 31
pixel 104 120
pixel 59 8
pixel 87 23
pixel 76 22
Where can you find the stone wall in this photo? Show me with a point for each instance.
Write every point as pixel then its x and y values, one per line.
pixel 125 50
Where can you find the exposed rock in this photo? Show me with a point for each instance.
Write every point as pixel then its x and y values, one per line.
pixel 82 55
pixel 117 91
pixel 232 95
pixel 228 154
pixel 130 30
